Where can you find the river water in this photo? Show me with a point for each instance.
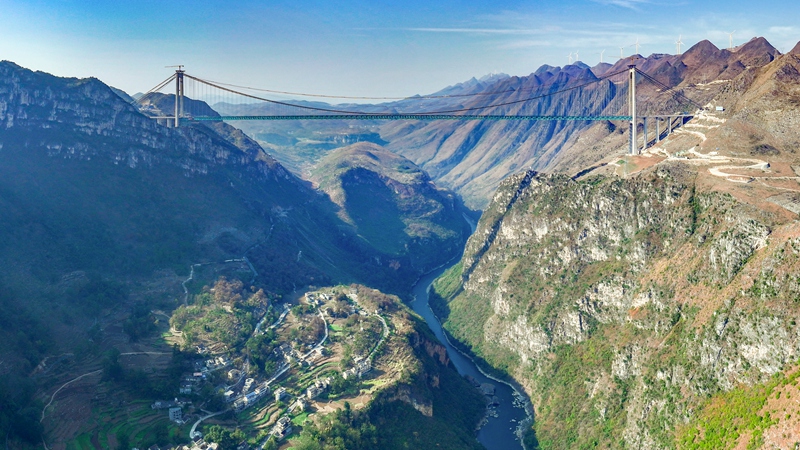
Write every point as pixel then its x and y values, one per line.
pixel 500 431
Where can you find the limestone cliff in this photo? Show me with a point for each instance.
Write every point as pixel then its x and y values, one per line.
pixel 624 305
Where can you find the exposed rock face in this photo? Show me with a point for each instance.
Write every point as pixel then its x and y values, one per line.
pixel 45 120
pixel 473 158
pixel 66 113
pixel 622 304
pixel 403 394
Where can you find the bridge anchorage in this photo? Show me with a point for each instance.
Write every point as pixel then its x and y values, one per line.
pixel 610 96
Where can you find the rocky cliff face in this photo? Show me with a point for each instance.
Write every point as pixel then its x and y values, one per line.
pixel 420 400
pixel 82 118
pixel 623 305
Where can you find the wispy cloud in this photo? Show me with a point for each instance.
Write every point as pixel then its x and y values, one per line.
pixel 512 31
pixel 630 4
pixel 513 45
pixel 783 31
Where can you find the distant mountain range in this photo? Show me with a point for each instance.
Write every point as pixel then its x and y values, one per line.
pixel 472 158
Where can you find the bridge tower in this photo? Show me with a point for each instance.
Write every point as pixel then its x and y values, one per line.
pixel 632 106
pixel 178 93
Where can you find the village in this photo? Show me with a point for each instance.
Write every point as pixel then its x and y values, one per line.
pixel 322 350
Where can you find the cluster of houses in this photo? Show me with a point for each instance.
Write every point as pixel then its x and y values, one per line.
pixel 317 298
pixel 248 395
pixel 317 388
pixel 190 382
pixel 299 405
pixel 361 367
pixel 286 352
pixel 253 391
pixel 199 444
pixel 174 409
pixel 216 363
pixel 282 428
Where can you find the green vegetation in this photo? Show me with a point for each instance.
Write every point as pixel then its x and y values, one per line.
pixel 227 439
pixel 99 228
pixel 384 425
pixel 224 313
pixel 729 416
pixel 631 335
pixel 391 203
pixel 134 426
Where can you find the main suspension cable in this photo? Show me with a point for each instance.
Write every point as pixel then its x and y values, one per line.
pixel 339 111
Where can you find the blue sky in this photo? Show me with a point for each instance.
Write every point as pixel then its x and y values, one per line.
pixel 371 48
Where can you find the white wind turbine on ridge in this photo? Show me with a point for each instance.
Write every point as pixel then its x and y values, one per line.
pixel 678 44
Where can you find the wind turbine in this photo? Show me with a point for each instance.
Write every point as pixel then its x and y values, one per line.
pixel 601 56
pixel 621 56
pixel 678 44
pixel 637 45
pixel 730 40
pixel 570 57
pixel 576 56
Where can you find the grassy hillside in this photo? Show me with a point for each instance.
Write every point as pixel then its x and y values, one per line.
pixel 392 204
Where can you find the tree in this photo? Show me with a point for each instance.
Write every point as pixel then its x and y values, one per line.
pixel 271 444
pixel 161 431
pixel 223 437
pixel 123 440
pixel 112 369
pixel 26 425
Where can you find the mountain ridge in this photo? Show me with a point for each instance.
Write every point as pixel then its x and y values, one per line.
pixel 472 158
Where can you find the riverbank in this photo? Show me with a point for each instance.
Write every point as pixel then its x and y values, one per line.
pixel 505 427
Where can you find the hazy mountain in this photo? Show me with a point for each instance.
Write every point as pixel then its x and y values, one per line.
pixel 472 158
pixel 472 85
pixel 391 202
pixel 104 208
pixel 123 95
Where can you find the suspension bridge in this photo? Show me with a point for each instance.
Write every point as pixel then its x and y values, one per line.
pixel 608 97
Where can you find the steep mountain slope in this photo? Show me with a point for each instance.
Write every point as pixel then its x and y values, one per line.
pixel 424 404
pixel 658 309
pixel 103 208
pixel 392 203
pixel 472 158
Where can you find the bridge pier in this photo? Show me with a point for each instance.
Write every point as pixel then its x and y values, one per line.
pixel 178 94
pixel 658 132
pixel 632 105
pixel 644 140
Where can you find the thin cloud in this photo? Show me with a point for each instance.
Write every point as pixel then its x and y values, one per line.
pixel 478 30
pixel 629 4
pixel 525 44
pixel 783 30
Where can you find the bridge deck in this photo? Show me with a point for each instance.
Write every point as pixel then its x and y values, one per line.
pixel 403 117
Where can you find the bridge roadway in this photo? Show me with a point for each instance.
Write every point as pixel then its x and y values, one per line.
pixel 400 117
